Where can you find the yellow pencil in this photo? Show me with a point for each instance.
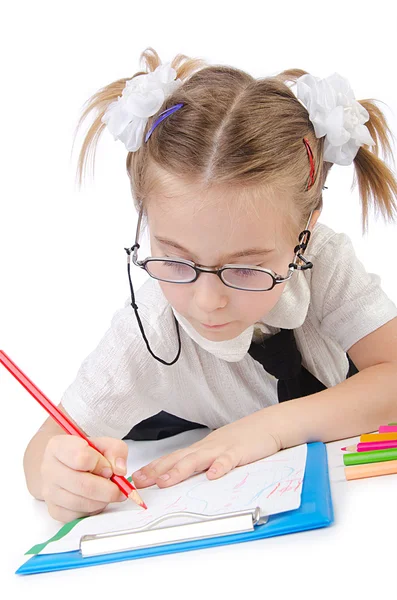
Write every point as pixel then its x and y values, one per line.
pixel 378 437
pixel 371 470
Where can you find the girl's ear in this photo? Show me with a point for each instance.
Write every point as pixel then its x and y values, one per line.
pixel 313 220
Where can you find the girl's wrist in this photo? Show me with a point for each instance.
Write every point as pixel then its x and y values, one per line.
pixel 286 428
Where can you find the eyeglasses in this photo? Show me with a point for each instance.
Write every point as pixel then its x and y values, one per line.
pixel 243 277
pixel 239 277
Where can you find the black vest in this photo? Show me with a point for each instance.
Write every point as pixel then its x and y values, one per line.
pixel 279 356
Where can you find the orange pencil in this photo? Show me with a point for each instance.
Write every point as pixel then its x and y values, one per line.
pixel 371 470
pixel 378 437
pixel 59 417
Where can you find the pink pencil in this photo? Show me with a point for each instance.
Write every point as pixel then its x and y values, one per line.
pixel 369 446
pixel 387 428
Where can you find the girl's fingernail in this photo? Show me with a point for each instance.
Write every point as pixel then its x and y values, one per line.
pixel 164 477
pixel 106 472
pixel 120 464
pixel 212 470
pixel 139 475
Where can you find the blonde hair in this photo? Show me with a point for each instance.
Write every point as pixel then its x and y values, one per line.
pixel 246 132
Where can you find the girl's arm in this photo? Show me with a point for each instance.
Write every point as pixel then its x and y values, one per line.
pixel 358 405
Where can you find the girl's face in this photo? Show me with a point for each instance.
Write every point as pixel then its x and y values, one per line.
pixel 213 229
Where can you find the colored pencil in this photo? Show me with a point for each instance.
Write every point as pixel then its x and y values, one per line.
pixel 372 470
pixel 367 447
pixel 387 428
pixel 123 484
pixel 391 424
pixel 362 458
pixel 378 437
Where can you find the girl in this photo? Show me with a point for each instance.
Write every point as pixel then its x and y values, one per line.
pixel 257 321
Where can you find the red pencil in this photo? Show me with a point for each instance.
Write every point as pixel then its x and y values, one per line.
pixel 123 484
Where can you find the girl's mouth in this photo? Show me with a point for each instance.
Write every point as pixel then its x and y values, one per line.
pixel 214 326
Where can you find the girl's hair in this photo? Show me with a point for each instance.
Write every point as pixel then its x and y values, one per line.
pixel 234 129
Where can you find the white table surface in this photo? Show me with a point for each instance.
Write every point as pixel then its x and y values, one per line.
pixel 356 557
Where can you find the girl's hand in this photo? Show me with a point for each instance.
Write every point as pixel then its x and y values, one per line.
pixel 75 477
pixel 233 445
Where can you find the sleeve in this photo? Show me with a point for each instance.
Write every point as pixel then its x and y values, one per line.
pixel 349 301
pixel 118 384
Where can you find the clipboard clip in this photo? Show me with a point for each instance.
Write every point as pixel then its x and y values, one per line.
pixel 206 526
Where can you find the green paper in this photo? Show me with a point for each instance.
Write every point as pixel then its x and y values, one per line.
pixel 361 458
pixel 60 534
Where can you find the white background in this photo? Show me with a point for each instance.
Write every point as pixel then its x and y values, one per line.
pixel 62 263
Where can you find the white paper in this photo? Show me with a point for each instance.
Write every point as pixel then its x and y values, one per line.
pixel 274 484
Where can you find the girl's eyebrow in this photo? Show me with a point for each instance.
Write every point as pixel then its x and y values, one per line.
pixel 247 252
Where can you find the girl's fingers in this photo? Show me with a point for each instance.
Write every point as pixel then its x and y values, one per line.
pixel 184 468
pixel 60 513
pixel 78 504
pixel 115 451
pixel 75 453
pixel 92 487
pixel 222 465
pixel 149 474
pixel 180 465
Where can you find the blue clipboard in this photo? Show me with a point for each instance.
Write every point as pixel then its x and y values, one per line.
pixel 315 511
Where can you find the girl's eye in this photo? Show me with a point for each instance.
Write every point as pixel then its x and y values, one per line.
pixel 248 279
pixel 245 272
pixel 170 270
pixel 170 264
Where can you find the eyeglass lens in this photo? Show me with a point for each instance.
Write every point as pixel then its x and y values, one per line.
pixel 170 270
pixel 248 279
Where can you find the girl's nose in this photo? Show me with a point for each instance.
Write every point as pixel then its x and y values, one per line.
pixel 210 293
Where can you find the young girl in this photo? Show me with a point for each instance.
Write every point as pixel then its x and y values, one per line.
pixel 257 321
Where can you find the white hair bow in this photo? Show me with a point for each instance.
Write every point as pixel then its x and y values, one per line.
pixel 141 98
pixel 336 115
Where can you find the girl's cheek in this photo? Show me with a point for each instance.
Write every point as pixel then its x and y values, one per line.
pixel 177 295
pixel 256 305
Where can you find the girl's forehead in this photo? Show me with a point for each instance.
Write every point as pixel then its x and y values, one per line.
pixel 220 215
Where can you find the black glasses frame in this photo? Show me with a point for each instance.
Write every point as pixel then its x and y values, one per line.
pixel 219 272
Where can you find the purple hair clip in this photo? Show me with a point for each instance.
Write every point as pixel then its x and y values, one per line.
pixel 161 117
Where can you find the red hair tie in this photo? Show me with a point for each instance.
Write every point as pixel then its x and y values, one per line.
pixel 311 159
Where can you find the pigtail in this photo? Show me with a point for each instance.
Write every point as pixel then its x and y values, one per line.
pixel 100 101
pixel 98 104
pixel 377 183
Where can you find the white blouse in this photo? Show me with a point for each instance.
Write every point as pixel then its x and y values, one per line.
pixel 330 307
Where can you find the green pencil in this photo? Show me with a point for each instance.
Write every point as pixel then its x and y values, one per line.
pixel 374 456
